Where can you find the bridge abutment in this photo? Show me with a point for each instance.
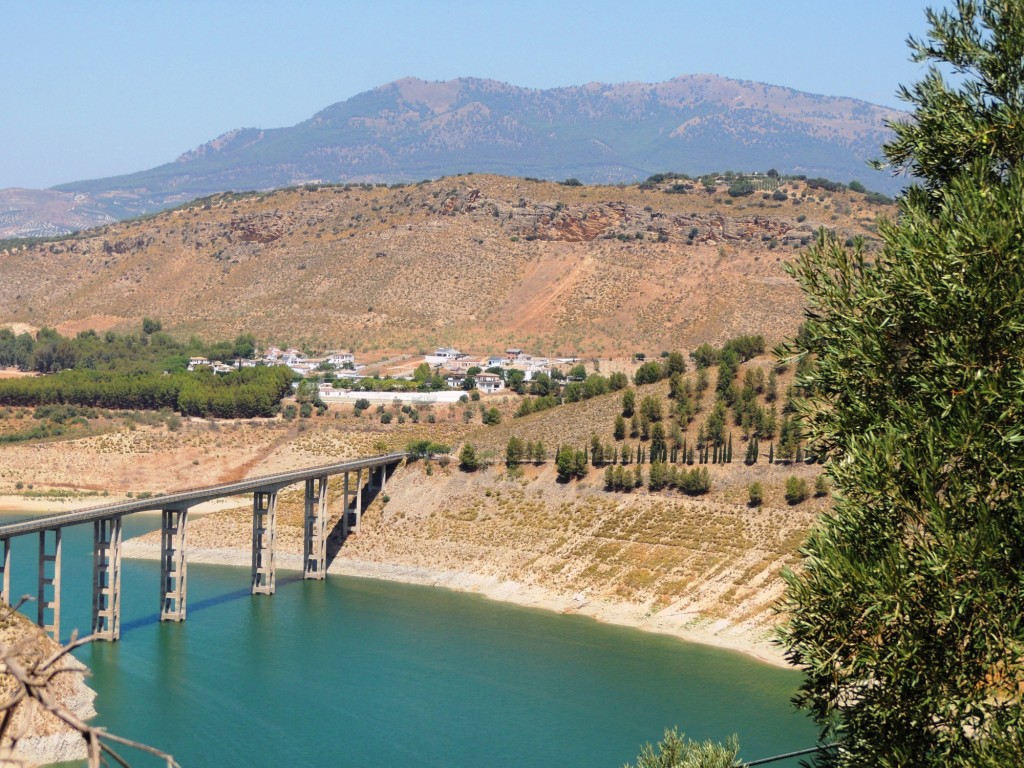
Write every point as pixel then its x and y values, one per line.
pixel 106 578
pixel 173 564
pixel 315 529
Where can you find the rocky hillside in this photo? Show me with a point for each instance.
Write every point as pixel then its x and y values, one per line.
pixel 471 260
pixel 600 133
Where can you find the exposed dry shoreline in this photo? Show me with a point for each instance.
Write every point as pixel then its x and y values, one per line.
pixel 750 640
pixel 43 505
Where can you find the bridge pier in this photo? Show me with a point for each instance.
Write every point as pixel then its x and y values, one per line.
pixel 173 564
pixel 5 569
pixel 264 533
pixel 359 497
pixel 106 578
pixel 344 510
pixel 49 599
pixel 315 538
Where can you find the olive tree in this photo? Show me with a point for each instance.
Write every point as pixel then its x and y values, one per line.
pixel 906 612
pixel 675 750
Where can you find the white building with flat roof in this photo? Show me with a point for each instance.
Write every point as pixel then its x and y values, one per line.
pixel 489 382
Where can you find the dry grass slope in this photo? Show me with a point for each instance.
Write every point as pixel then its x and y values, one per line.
pixel 469 260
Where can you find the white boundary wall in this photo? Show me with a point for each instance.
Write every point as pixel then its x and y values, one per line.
pixel 350 396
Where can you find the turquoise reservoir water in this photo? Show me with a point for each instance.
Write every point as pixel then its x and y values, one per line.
pixel 356 672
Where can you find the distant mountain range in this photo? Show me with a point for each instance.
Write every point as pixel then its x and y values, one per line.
pixel 411 129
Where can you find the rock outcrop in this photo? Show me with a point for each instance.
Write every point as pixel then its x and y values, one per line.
pixel 42 739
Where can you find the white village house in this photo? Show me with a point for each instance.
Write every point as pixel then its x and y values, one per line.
pixel 338 359
pixel 489 382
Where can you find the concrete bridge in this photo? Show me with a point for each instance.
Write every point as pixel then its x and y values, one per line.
pixel 106 520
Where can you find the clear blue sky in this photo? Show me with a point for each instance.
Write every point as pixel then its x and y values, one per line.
pixel 105 87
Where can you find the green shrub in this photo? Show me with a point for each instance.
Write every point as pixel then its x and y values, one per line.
pixel 796 489
pixel 468 461
pixel 755 494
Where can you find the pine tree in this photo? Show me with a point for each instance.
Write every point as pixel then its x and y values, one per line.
pixel 628 402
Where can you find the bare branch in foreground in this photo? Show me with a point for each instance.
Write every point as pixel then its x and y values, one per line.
pixel 28 682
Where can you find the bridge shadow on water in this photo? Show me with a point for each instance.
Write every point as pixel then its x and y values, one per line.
pixel 209 602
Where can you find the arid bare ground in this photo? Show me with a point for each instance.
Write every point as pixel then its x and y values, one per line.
pixel 476 261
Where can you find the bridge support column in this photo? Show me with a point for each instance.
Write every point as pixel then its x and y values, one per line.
pixel 264 531
pixel 173 564
pixel 315 539
pixel 345 510
pixel 383 477
pixel 49 576
pixel 359 496
pixel 106 578
pixel 5 570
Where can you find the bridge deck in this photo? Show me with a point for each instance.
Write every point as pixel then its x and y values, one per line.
pixel 191 496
